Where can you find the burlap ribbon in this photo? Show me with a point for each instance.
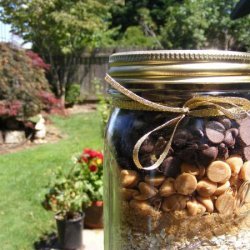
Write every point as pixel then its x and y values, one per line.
pixel 198 106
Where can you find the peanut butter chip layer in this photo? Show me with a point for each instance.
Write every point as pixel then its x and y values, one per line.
pixel 245 171
pixel 195 190
pixel 174 202
pixel 222 188
pixel 167 188
pixel 155 180
pixel 146 191
pixel 128 193
pixel 190 169
pixel 206 188
pixel 219 171
pixel 225 203
pixel 235 163
pixel 185 184
pixel 207 203
pixel 129 178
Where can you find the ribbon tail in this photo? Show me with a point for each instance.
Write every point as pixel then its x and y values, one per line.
pixel 159 161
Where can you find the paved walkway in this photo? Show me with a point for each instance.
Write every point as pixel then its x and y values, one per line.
pixel 93 239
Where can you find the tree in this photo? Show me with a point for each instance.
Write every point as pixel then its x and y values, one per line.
pixel 59 30
pixel 139 22
pixel 134 36
pixel 199 24
pixel 23 86
pixel 224 33
pixel 186 24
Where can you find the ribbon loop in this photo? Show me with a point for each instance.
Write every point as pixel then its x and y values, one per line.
pixel 174 121
pixel 198 106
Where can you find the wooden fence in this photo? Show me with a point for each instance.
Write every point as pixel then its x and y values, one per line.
pixel 91 70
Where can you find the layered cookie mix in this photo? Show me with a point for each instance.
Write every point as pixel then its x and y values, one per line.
pixel 199 192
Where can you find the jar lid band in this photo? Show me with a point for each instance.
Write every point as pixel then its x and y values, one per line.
pixel 158 56
pixel 161 68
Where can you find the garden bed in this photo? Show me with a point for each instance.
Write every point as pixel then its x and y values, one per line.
pixel 54 134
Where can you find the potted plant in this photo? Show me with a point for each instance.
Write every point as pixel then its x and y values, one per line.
pixel 67 197
pixel 91 162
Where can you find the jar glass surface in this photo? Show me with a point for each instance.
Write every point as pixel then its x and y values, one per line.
pixel 198 196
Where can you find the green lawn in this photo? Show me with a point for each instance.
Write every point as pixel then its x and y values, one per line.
pixel 24 174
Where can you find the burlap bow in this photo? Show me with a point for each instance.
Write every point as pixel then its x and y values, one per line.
pixel 198 106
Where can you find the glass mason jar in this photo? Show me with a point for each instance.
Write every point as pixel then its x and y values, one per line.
pixel 177 157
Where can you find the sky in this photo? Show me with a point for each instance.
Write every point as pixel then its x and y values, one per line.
pixel 6 36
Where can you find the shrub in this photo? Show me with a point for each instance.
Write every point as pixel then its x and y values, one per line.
pixel 37 61
pixel 50 102
pixel 70 192
pixel 22 80
pixel 73 94
pixel 10 108
pixel 66 194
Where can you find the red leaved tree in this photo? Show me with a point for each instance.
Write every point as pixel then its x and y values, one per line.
pixel 24 89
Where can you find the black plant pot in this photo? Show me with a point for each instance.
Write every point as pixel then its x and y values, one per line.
pixel 70 232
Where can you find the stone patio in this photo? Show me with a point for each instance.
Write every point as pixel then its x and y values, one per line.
pixel 93 239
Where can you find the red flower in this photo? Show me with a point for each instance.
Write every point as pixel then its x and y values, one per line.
pixel 99 155
pixel 84 159
pixel 93 153
pixel 93 168
pixel 87 151
pixel 96 154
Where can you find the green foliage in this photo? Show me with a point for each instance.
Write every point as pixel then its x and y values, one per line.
pixel 91 162
pixel 60 26
pixel 186 24
pixel 73 93
pixel 224 33
pixel 204 24
pixel 21 83
pixel 71 192
pixel 136 23
pixel 103 105
pixel 67 193
pixel 134 36
pixel 60 30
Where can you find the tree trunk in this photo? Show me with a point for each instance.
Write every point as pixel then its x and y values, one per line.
pixel 57 84
pixel 62 96
pixel 62 90
pixel 226 40
pixel 65 73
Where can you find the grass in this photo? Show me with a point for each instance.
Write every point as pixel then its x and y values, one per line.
pixel 24 174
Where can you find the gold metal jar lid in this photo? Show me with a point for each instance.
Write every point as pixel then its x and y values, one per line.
pixel 180 55
pixel 163 68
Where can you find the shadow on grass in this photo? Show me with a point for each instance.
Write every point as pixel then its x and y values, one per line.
pixel 48 241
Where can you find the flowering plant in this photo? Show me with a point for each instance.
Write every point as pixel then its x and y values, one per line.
pixel 91 162
pixel 71 192
pixel 66 194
